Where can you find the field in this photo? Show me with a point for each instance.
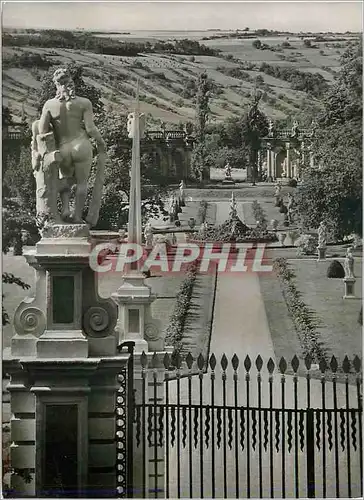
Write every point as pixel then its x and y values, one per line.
pixel 164 78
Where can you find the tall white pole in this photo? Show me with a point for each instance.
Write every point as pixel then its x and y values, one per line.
pixel 135 228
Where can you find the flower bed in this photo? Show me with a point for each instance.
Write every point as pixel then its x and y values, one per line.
pixel 177 321
pixel 303 318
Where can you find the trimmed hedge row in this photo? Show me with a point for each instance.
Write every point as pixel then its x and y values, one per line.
pixel 177 321
pixel 303 318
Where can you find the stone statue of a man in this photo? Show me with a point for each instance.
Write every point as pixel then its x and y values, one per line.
pixel 70 119
pixel 322 235
pixel 349 263
pixel 148 235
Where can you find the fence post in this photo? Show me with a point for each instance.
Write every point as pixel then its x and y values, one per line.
pixel 310 452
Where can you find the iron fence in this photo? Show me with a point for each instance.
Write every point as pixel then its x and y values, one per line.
pixel 254 432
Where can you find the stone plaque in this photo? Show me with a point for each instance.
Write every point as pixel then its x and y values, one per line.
pixel 133 326
pixel 63 299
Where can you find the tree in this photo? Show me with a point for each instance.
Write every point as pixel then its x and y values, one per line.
pixel 199 153
pixel 333 191
pixel 114 202
pixel 83 89
pixel 255 126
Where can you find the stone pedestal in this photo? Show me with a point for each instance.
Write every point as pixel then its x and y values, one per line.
pixel 63 366
pixel 228 181
pixel 66 317
pixel 349 284
pixel 135 321
pixel 321 253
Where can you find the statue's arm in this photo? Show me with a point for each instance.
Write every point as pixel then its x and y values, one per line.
pixel 44 125
pixel 36 156
pixel 90 127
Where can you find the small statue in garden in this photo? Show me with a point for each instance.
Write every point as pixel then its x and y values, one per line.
pixel 182 193
pixel 227 171
pixel 173 208
pixel 148 235
pixel 294 129
pixel 322 235
pixel 270 129
pixel 349 263
pixel 290 207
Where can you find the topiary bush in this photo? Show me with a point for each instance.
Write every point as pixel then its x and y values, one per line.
pixel 292 183
pixel 283 209
pixel 335 270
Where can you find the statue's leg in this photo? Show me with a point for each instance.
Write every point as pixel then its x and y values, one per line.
pixel 82 157
pixel 65 173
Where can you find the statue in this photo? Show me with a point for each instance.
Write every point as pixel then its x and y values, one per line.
pixel 182 193
pixel 349 263
pixel 294 129
pixel 233 210
pixel 322 235
pixel 227 171
pixel 148 235
pixel 62 153
pixel 290 207
pixel 173 208
pixel 270 128
pixel 277 189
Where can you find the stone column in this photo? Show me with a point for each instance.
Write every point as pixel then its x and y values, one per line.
pixel 274 153
pixel 288 160
pixel 269 163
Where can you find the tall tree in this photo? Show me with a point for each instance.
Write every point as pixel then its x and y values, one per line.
pixel 200 165
pixel 332 189
pixel 255 126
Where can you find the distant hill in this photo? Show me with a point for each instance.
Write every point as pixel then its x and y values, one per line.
pixel 290 71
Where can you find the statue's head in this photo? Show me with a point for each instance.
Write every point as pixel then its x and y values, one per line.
pixel 64 84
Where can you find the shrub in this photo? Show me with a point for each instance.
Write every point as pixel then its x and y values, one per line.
pixel 283 209
pixel 292 183
pixel 335 270
pixel 306 244
pixel 177 321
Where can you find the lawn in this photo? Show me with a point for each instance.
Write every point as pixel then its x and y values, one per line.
pixel 339 329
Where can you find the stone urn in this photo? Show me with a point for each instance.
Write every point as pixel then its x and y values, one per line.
pixel 191 222
pixel 281 238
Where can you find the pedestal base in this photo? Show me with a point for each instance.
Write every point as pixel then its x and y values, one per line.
pixel 321 252
pixel 349 284
pixel 228 182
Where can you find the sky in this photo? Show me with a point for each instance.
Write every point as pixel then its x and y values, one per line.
pixel 292 16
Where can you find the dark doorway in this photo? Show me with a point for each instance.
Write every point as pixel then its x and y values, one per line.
pixel 60 464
